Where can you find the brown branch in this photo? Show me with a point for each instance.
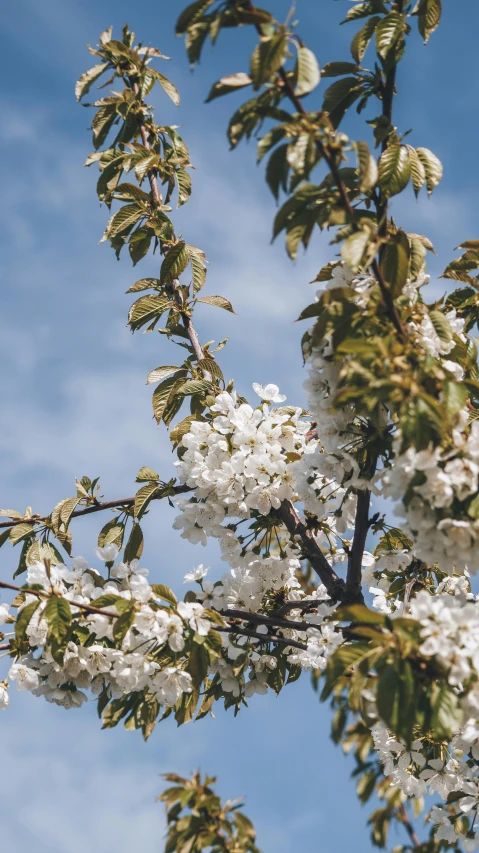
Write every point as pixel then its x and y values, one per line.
pixel 96 507
pixel 354 593
pixel 41 594
pixel 296 528
pixel 404 818
pixel 263 638
pixel 272 621
pixel 311 604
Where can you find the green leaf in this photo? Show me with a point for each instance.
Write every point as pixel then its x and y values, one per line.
pixel 111 534
pixel 198 267
pixel 367 167
pixel 307 71
pixel 146 475
pixel 395 262
pixel 59 616
pixel 362 10
pixel 473 508
pixel 198 663
pixel 130 192
pixel 447 716
pixel 144 284
pixel 313 310
pixel 429 16
pixel 122 625
pixel 183 179
pixel 167 86
pixel 277 170
pixel 184 426
pixel 267 58
pixel 87 79
pixel 230 83
pixel 394 169
pixel 362 38
pixel 395 698
pixel 123 219
pixel 23 620
pixel 164 592
pixel 134 546
pixel 160 373
pixel 143 498
pixel 354 248
pixel 139 244
pixel 191 14
pixel 388 31
pixel 219 301
pixel 174 263
pixel 418 257
pixel 19 532
pixel 337 69
pixel 441 326
pixel 340 96
pixel 161 396
pixel 195 386
pixel 432 167
pixel 418 172
pixel 455 396
pixel 147 308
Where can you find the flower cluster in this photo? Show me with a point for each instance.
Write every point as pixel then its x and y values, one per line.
pixel 435 489
pixel 152 653
pixel 420 769
pixel 426 335
pixel 239 466
pixel 95 658
pixel 238 461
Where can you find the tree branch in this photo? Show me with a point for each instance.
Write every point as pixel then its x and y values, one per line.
pixel 353 592
pixel 96 507
pixel 311 604
pixel 404 818
pixel 272 621
pixel 263 638
pixel 89 608
pixel 296 528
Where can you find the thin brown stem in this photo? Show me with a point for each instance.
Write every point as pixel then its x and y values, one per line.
pixel 89 608
pixel 262 638
pixel 272 621
pixel 99 506
pixel 404 818
pixel 311 604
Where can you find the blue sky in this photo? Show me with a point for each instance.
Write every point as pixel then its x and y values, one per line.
pixel 75 402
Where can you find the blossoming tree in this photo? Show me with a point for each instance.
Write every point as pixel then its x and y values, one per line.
pixel 393 401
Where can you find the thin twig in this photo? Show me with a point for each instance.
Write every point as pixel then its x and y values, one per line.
pixel 263 638
pixel 42 594
pixel 272 620
pixel 312 604
pixel 99 506
pixel 404 818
